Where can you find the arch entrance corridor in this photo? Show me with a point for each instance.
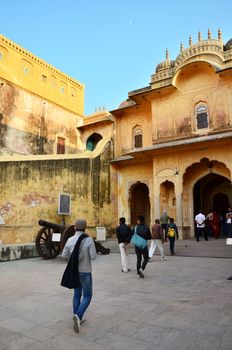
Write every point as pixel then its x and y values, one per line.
pixel 139 202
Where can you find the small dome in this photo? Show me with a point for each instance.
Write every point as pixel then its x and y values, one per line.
pixel 126 103
pixel 228 45
pixel 165 65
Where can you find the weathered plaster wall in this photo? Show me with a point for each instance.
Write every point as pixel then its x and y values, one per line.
pixel 140 117
pixel 173 112
pixel 31 125
pixel 30 189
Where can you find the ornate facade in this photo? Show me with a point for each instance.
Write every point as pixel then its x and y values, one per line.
pixel 167 147
pixel 181 160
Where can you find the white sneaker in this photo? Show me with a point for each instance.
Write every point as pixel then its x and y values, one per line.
pixel 163 259
pixel 76 321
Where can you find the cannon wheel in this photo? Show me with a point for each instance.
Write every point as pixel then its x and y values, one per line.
pixel 46 248
pixel 69 232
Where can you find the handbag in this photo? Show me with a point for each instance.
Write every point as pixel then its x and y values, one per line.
pixel 138 241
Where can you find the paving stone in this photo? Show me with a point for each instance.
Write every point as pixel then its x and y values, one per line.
pixel 182 303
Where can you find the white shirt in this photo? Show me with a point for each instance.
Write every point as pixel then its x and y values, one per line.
pixel 200 218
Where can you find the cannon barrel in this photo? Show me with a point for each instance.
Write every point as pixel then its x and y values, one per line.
pixel 55 227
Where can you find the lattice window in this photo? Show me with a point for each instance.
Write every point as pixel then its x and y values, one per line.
pixel 202 117
pixel 138 137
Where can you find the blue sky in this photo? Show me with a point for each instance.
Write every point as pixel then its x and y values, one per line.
pixel 112 47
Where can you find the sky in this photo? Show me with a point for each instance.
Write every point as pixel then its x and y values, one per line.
pixel 111 46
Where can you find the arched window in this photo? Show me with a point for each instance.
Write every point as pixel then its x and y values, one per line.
pixel 92 141
pixel 137 137
pixel 202 121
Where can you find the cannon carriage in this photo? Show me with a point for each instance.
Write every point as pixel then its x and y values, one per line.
pixel 51 239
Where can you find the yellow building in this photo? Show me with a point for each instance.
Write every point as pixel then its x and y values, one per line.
pixel 167 147
pixel 48 147
pixel 178 154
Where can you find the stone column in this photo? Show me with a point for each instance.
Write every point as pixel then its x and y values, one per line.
pixel 156 194
pixel 179 204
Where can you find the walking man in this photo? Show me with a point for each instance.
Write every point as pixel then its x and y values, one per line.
pixel 172 233
pixel 164 223
pixel 143 231
pixel 157 240
pixel 123 233
pixel 80 249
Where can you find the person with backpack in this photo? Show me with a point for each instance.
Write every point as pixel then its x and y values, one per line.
pixel 172 233
pixel 144 232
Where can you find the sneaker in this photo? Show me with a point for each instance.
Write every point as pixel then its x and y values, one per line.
pixel 140 274
pixel 76 321
pixel 163 259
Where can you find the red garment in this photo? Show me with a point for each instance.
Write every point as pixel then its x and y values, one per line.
pixel 215 224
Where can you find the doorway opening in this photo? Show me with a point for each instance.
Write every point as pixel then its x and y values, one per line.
pixel 139 202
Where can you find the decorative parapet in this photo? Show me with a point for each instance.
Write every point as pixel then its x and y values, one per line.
pixel 214 47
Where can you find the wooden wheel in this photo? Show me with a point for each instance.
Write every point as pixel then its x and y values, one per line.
pixel 46 248
pixel 69 232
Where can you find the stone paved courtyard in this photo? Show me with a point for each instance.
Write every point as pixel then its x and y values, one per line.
pixel 182 303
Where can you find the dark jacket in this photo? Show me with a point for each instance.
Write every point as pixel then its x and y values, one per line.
pixel 123 233
pixel 175 228
pixel 70 277
pixel 143 231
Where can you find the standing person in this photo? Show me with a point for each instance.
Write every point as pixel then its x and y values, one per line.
pixel 229 222
pixel 80 249
pixel 172 233
pixel 143 231
pixel 157 240
pixel 123 233
pixel 164 223
pixel 200 222
pixel 215 224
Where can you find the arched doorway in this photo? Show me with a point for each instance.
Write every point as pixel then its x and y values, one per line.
pixel 167 198
pixel 139 202
pixel 214 192
pixel 92 141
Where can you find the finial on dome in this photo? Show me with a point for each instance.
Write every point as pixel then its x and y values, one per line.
pixel 219 34
pixel 199 36
pixel 167 55
pixel 209 34
pixel 181 47
pixel 190 41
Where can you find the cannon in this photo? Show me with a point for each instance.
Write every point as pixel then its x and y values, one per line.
pixel 48 247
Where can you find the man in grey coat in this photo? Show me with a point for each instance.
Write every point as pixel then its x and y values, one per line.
pixel 87 252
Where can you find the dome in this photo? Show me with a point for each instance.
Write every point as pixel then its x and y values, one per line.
pixel 228 45
pixel 165 65
pixel 126 103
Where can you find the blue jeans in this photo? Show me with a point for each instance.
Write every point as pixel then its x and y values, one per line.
pixel 83 295
pixel 172 244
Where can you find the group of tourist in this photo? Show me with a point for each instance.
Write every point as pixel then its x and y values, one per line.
pixel 163 229
pixel 80 251
pixel 213 223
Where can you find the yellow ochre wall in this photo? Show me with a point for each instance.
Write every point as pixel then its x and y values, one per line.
pixel 29 72
pixel 30 189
